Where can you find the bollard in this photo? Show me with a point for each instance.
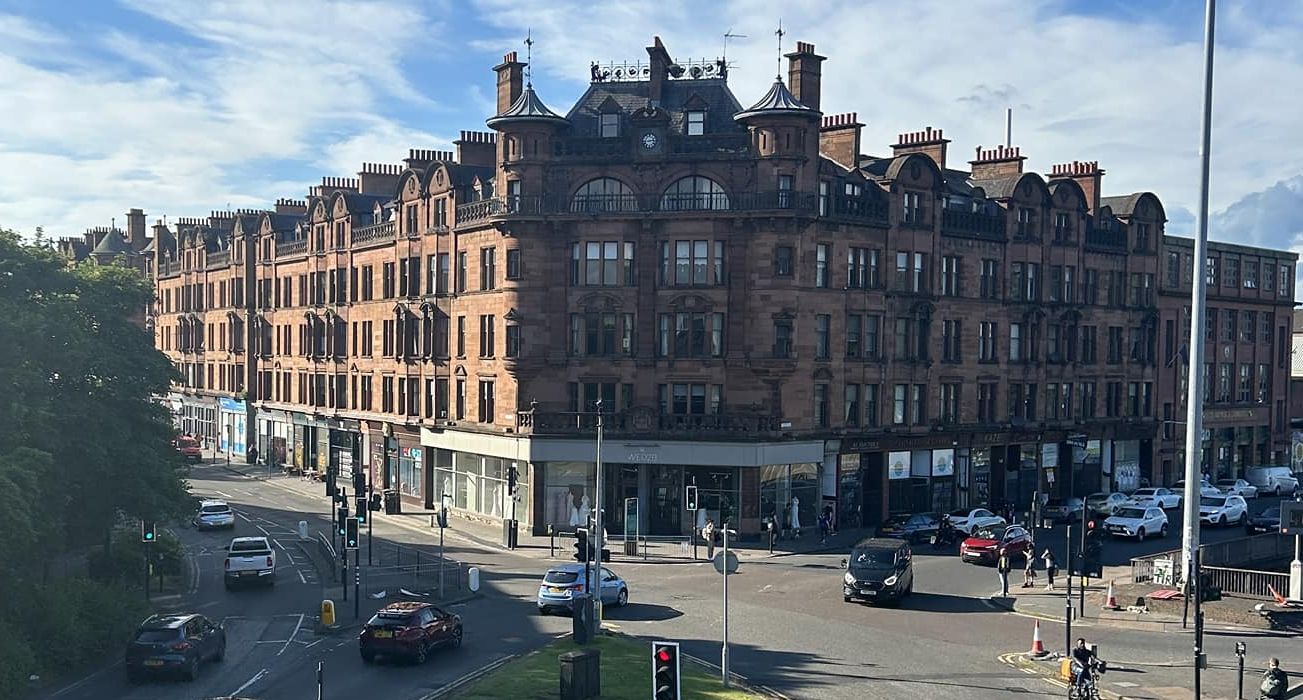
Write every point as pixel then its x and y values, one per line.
pixel 1240 650
pixel 328 613
pixel 473 576
pixel 303 529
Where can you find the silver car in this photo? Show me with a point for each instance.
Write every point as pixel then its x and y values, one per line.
pixel 214 514
pixel 562 584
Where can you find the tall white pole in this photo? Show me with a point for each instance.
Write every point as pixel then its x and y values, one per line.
pixel 598 525
pixel 723 654
pixel 1194 400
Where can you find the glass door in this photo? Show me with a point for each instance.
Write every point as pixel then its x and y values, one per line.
pixel 666 486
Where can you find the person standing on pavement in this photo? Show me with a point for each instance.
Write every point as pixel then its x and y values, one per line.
pixel 1029 569
pixel 708 534
pixel 823 527
pixel 1051 568
pixel 1002 567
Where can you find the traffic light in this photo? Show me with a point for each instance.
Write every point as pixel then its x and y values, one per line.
pixel 665 670
pixel 691 499
pixel 582 550
pixel 361 510
pixel 148 532
pixel 350 533
pixel 343 516
pixel 512 475
pixel 330 486
pixel 1092 554
pixel 359 481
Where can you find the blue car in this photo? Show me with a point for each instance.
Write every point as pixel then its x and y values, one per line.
pixel 562 583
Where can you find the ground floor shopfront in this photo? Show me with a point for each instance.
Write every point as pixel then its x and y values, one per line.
pixel 195 415
pixel 878 477
pixel 1233 440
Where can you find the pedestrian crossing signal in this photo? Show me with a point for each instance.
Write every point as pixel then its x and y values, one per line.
pixel 148 533
pixel 691 498
pixel 665 670
pixel 350 533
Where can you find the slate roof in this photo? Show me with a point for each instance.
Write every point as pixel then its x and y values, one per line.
pixel 1124 205
pixel 464 175
pixel 527 107
pixel 112 244
pixel 999 187
pixel 676 95
pixel 283 222
pixel 779 100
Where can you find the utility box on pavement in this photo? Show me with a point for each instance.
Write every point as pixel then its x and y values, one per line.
pixel 581 674
pixel 580 619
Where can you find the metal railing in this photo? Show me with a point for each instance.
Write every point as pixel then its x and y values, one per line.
pixel 643 421
pixel 1246 582
pixel 806 203
pixel 217 258
pixel 1217 556
pixel 375 232
pixel 972 224
pixel 291 247
pixel 1115 239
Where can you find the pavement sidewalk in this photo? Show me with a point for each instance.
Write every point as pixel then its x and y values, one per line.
pixel 543 547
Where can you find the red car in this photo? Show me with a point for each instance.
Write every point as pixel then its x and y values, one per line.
pixel 985 545
pixel 410 630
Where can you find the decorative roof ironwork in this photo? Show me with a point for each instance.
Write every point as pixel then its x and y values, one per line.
pixel 636 71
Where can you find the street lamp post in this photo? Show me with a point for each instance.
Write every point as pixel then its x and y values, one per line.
pixel 598 529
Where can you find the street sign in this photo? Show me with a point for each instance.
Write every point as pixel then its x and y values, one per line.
pixel 1077 440
pixel 1163 571
pixel 1291 518
pixel 718 561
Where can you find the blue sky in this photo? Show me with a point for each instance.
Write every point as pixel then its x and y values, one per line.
pixel 183 107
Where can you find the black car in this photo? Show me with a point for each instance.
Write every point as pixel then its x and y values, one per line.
pixel 177 643
pixel 914 528
pixel 1266 521
pixel 878 570
pixel 1061 510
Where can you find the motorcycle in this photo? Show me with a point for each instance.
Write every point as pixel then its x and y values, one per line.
pixel 943 539
pixel 1089 689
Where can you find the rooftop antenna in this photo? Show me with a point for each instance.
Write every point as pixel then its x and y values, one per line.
pixel 1008 127
pixel 780 34
pixel 529 58
pixel 730 35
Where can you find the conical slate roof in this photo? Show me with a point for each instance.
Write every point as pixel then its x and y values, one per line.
pixel 779 100
pixel 527 107
pixel 111 244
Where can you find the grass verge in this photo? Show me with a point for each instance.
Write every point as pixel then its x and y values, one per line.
pixel 626 673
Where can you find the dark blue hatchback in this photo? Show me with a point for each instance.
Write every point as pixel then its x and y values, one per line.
pixel 174 644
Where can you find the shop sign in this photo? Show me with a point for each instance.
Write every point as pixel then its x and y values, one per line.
pixel 943 462
pixel 1050 455
pixel 898 465
pixel 1225 415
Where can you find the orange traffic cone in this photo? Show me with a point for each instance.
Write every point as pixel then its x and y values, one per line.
pixel 1038 648
pixel 1112 602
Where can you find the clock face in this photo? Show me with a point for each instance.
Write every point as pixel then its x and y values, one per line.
pixel 649 141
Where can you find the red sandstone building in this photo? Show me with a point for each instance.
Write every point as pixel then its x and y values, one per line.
pixel 762 310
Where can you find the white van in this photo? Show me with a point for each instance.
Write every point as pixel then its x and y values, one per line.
pixel 1274 480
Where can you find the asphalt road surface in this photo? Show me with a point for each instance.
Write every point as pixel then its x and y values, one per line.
pixel 789 629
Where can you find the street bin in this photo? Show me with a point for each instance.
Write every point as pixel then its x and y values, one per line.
pixel 581 674
pixel 631 547
pixel 393 505
pixel 581 619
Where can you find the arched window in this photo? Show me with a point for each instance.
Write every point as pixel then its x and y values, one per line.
pixel 694 192
pixel 603 194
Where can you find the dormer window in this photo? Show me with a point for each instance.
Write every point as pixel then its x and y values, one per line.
pixel 696 123
pixel 609 125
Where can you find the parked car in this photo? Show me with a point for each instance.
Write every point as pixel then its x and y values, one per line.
pixel 1064 509
pixel 1205 488
pixel 562 583
pixel 1156 496
pixel 214 514
pixel 986 543
pixel 913 528
pixel 1278 481
pixel 1105 503
pixel 175 643
pixel 1239 487
pixel 250 560
pixel 966 519
pixel 1223 510
pixel 1137 521
pixel 408 630
pixel 878 570
pixel 1266 521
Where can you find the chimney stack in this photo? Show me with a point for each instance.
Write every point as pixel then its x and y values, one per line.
pixel 804 74
pixel 660 62
pixel 839 138
pixel 136 229
pixel 1087 174
pixel 296 207
pixel 1000 161
pixel 477 148
pixel 511 81
pixel 379 178
pixel 929 142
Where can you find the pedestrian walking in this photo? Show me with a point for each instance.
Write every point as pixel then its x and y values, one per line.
pixel 823 527
pixel 1029 569
pixel 708 533
pixel 1002 567
pixel 1051 568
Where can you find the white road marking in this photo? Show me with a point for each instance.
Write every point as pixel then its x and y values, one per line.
pixel 304 580
pixel 250 682
pixel 1126 684
pixel 73 686
pixel 278 544
pixel 245 517
pixel 313 643
pixel 293 634
pixel 263 530
pixel 223 495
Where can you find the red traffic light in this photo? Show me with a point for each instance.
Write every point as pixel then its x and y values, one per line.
pixel 663 655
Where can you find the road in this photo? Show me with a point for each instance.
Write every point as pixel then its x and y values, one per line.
pixel 789 628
